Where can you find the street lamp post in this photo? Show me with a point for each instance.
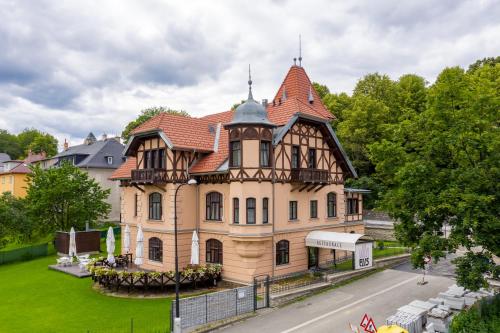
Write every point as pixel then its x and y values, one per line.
pixel 177 320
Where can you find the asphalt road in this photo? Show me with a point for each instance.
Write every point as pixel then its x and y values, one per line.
pixel 378 295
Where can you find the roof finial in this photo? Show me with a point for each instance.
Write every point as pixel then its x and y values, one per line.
pixel 249 83
pixel 295 61
pixel 300 50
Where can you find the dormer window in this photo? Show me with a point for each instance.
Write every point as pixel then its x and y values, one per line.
pixel 235 154
pixel 109 159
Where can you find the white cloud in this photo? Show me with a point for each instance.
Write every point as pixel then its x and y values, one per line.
pixel 73 67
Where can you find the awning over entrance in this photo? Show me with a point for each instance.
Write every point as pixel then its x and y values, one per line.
pixel 334 240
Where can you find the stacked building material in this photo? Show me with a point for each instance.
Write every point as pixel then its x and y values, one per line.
pixel 410 322
pixel 453 300
pixel 425 306
pixel 437 301
pixel 438 320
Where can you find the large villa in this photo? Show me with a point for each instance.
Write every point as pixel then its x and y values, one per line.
pixel 268 175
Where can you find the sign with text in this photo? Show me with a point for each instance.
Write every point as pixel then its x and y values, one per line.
pixel 363 255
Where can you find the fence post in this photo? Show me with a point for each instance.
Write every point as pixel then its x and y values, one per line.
pixel 267 291
pixel 206 308
pixel 236 300
pixel 255 294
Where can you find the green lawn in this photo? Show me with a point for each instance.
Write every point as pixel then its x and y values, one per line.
pixel 377 254
pixel 36 299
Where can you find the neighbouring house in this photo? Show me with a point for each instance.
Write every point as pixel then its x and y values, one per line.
pixel 99 158
pixel 269 176
pixel 14 174
pixel 3 158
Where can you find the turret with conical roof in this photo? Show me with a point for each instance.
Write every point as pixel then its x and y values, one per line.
pixel 251 111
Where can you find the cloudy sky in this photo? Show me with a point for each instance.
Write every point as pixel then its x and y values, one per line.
pixel 70 67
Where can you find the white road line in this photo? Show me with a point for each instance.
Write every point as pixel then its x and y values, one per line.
pixel 349 305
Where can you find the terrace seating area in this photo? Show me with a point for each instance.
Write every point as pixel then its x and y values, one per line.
pixel 194 275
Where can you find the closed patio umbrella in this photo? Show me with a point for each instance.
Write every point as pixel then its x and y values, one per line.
pixel 72 243
pixel 195 249
pixel 126 240
pixel 110 245
pixel 139 247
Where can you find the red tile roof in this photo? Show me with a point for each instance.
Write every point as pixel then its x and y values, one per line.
pixel 183 132
pixel 213 161
pixel 297 86
pixel 194 133
pixel 124 171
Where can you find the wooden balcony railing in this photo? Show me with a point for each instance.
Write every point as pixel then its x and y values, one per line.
pixel 149 176
pixel 304 175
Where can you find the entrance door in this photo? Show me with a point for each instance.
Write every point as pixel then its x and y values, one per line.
pixel 313 257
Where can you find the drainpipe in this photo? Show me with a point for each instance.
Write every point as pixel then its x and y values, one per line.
pixel 273 181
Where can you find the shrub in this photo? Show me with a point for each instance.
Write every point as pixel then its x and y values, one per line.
pixel 483 317
pixel 380 245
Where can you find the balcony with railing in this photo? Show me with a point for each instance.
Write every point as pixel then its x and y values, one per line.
pixel 306 175
pixel 149 176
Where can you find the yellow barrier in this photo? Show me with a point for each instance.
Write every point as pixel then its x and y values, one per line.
pixel 391 329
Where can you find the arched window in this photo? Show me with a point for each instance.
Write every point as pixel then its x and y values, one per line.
pixel 214 206
pixel 282 252
pixel 214 251
pixel 331 204
pixel 155 206
pixel 155 249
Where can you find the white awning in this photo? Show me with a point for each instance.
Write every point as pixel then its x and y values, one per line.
pixel 333 240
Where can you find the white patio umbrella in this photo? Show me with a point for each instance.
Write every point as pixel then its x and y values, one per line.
pixel 139 247
pixel 110 245
pixel 195 249
pixel 126 240
pixel 72 243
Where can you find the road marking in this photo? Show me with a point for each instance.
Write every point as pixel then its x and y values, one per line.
pixel 349 305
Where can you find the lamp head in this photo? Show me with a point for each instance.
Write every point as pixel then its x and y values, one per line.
pixel 192 182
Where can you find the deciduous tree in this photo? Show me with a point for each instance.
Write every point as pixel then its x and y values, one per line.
pixel 64 197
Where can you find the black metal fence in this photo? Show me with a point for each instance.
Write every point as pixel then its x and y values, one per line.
pixel 211 307
pixel 289 282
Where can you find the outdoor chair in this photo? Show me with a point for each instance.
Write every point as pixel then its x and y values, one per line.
pixel 63 261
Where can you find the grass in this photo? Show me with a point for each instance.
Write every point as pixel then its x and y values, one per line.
pixel 377 254
pixel 36 299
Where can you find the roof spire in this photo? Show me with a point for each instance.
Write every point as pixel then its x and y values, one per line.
pixel 300 50
pixel 250 96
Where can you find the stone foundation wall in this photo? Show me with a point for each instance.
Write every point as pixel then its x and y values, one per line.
pixel 380 233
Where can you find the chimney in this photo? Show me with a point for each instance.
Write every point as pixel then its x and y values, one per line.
pixel 264 102
pixel 66 145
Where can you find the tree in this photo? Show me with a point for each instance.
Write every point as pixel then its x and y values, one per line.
pixel 15 224
pixel 65 197
pixel 147 114
pixel 321 89
pixel 10 145
pixel 44 143
pixel 446 174
pixel 37 141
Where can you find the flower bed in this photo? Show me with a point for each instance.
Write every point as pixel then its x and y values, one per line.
pixel 194 275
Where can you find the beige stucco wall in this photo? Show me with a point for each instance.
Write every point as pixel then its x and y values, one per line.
pixel 102 177
pixel 248 250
